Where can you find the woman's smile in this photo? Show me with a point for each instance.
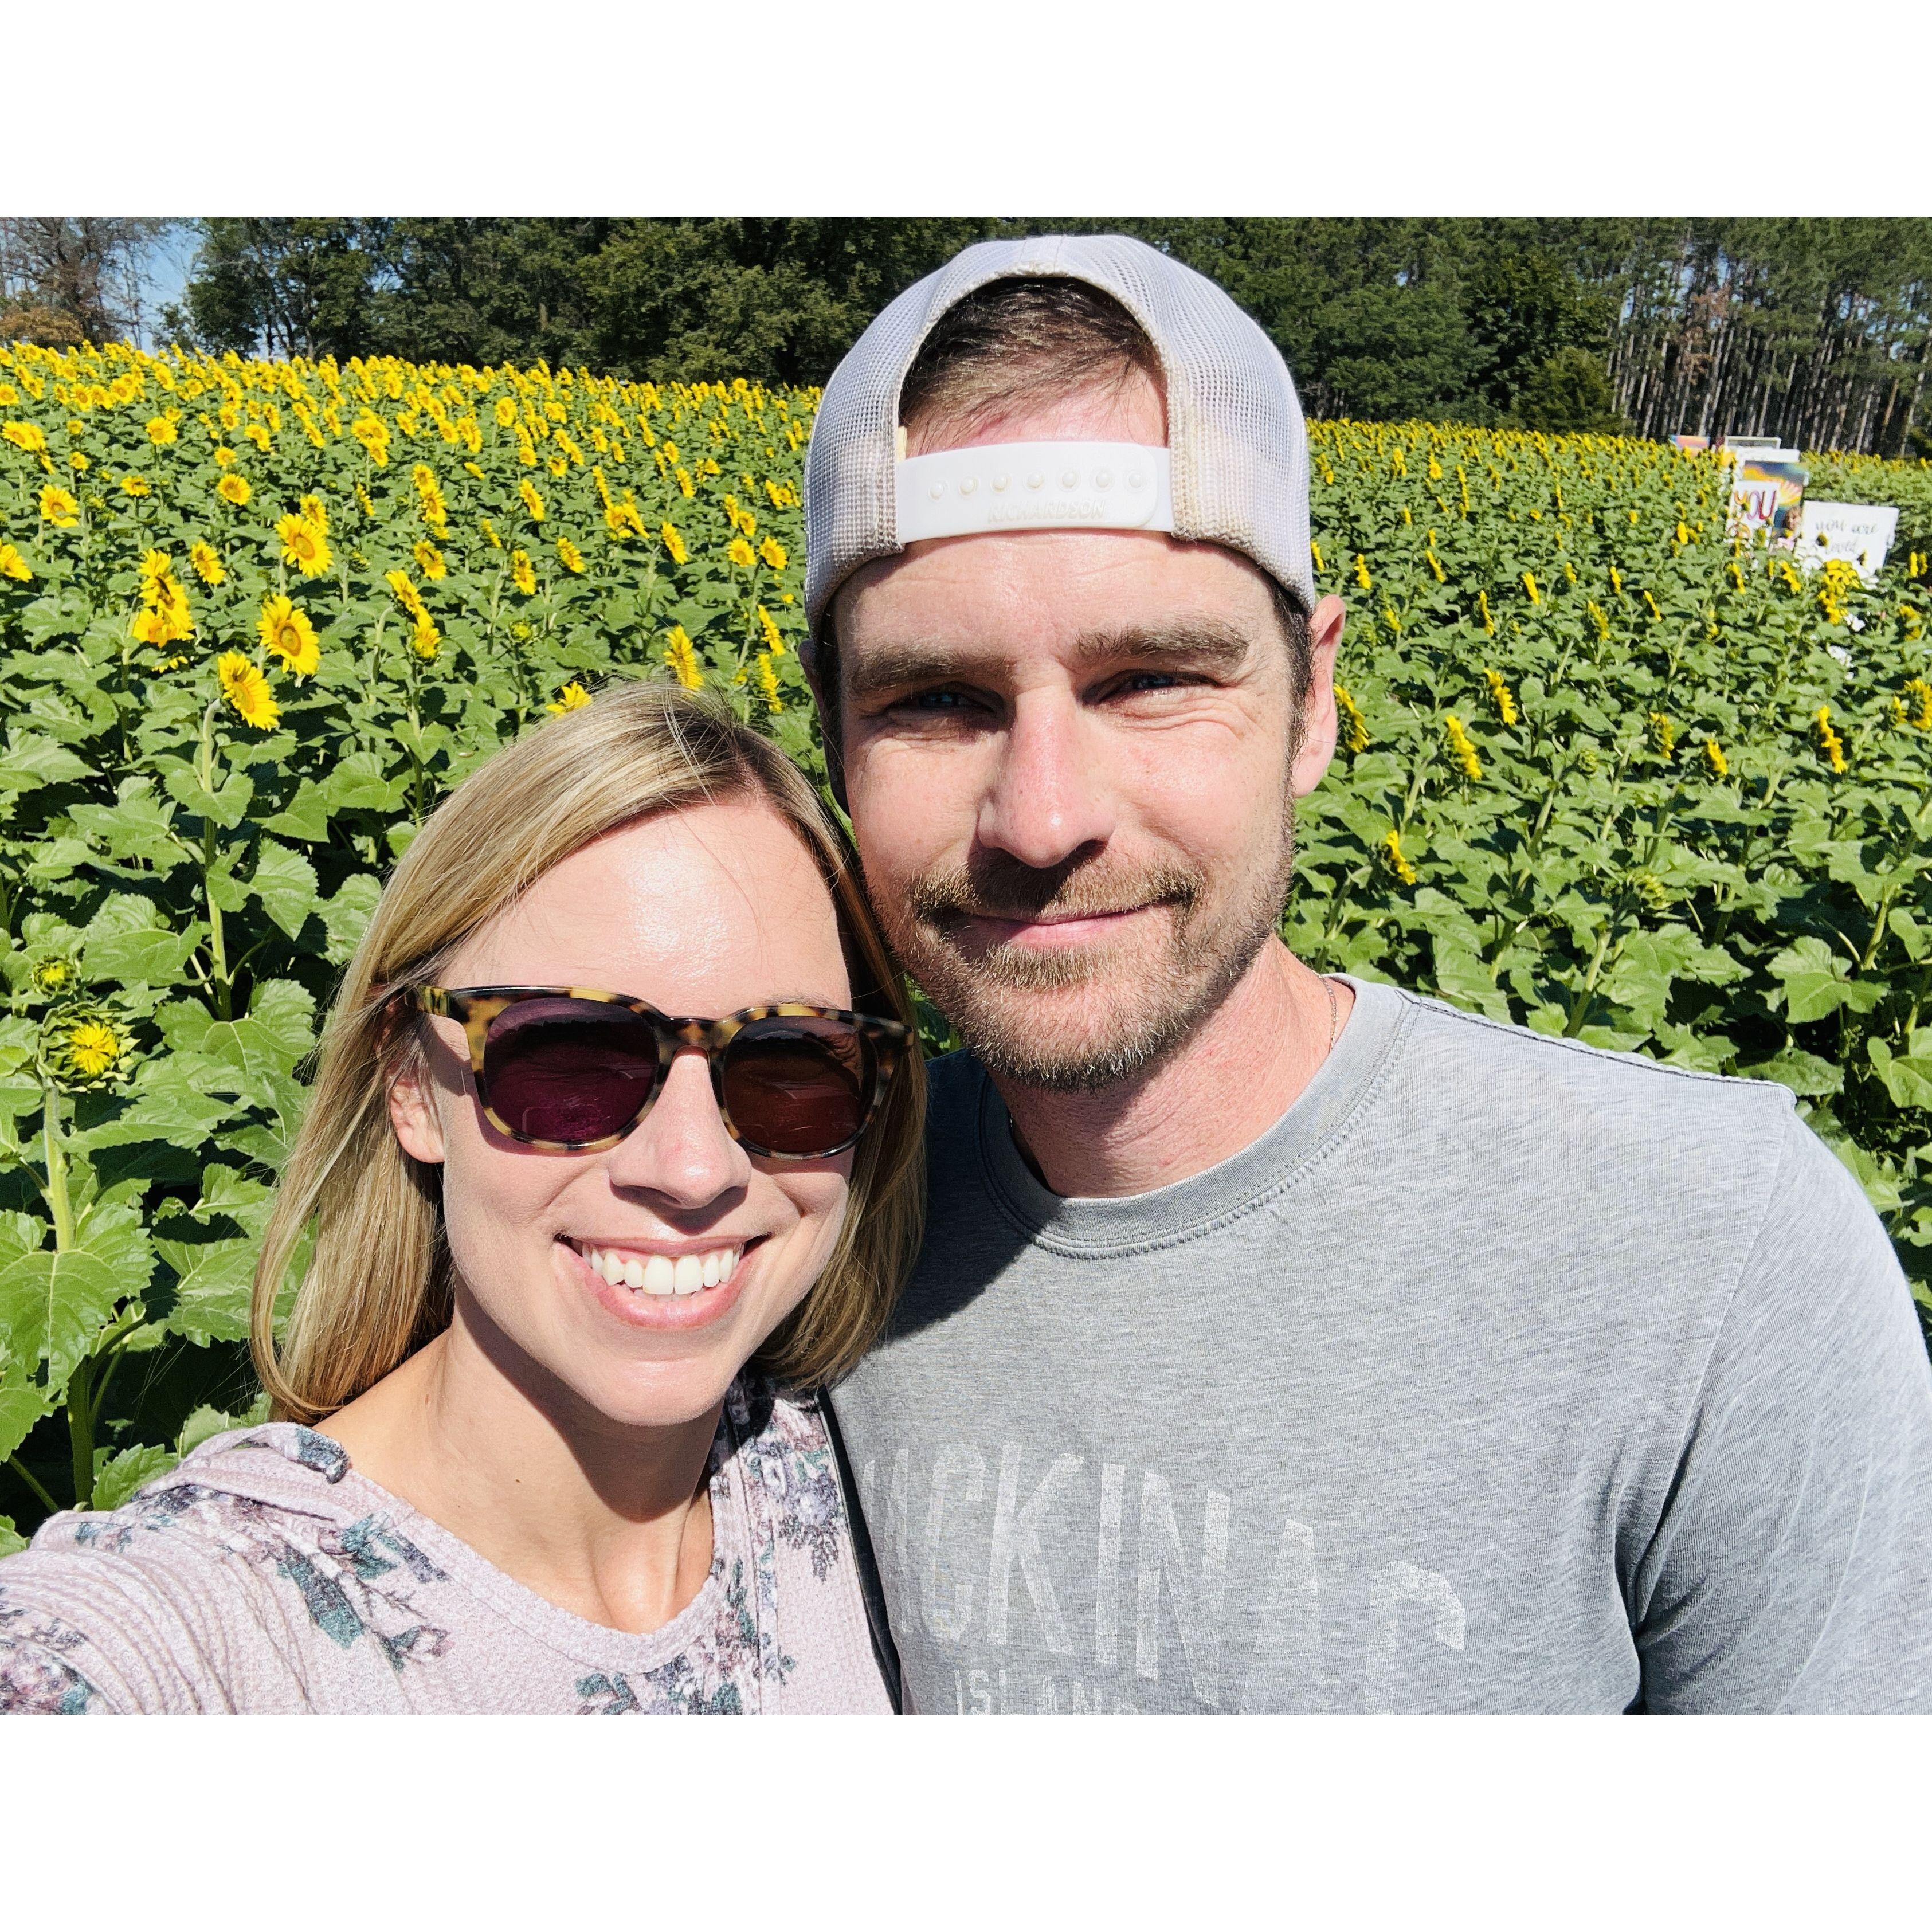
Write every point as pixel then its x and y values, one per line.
pixel 661 1283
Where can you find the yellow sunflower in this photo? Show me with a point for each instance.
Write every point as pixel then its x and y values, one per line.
pixel 163 618
pixel 288 634
pixel 224 456
pixel 13 565
pixel 303 545
pixel 246 691
pixel 86 1047
pixel 315 512
pixel 136 486
pixel 570 556
pixel 233 490
pixel 532 502
pixel 208 566
pixel 429 561
pixel 741 554
pixel 521 574
pixel 773 552
pixel 58 507
pixel 682 656
pixel 161 432
pixel 93 1047
pixel 572 697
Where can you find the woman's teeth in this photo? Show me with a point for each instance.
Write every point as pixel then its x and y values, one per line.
pixel 662 1274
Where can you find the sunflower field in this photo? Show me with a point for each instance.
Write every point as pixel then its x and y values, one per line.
pixel 255 620
pixel 1602 771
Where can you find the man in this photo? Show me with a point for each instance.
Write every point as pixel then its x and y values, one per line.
pixel 1283 1342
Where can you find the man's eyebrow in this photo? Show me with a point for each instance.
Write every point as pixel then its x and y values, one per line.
pixel 883 667
pixel 1203 643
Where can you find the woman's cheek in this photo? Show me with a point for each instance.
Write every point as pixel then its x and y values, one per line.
pixel 820 1199
pixel 496 1207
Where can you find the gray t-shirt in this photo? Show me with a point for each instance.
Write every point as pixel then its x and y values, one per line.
pixel 1501 1374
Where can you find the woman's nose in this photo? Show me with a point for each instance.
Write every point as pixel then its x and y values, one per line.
pixel 680 1151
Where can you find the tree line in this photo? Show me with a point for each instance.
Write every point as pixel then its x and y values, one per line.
pixel 1816 330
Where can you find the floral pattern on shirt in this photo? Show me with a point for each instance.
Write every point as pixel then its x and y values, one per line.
pixel 336 1572
pixel 255 1520
pixel 36 1680
pixel 787 1452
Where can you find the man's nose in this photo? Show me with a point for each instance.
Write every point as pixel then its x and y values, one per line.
pixel 1047 799
pixel 680 1151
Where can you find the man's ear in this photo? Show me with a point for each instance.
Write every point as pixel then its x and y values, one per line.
pixel 1318 707
pixel 412 1110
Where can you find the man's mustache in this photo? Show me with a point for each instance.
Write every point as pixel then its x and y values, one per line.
pixel 995 885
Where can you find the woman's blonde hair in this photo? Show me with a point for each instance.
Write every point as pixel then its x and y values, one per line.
pixel 379 1284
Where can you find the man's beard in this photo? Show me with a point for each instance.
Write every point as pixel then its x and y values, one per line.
pixel 1138 1008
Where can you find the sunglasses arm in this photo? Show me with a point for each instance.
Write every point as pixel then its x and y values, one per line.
pixel 425 1000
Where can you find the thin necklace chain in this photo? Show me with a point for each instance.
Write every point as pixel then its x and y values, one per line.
pixel 1334 1014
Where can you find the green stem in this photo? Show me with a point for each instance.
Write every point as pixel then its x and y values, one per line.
pixel 1338 907
pixel 1579 1006
pixel 224 1000
pixel 27 1476
pixel 54 1150
pixel 60 1204
pixel 110 1359
pixel 224 1003
pixel 1871 953
pixel 80 1435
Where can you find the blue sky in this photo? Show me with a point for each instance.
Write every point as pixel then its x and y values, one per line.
pixel 164 272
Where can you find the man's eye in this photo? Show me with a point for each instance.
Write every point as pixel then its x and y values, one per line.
pixel 934 700
pixel 1150 680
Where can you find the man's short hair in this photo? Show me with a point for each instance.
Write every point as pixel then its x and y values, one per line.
pixel 1018 343
pixel 1030 339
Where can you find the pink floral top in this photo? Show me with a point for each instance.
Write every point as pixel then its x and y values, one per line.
pixel 264 1574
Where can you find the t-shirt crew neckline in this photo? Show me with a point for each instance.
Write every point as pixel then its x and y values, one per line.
pixel 1322 1114
pixel 570 1635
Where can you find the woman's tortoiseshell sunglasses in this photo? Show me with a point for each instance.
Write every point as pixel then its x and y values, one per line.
pixel 573 1070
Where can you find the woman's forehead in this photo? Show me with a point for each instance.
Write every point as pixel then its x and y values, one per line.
pixel 717 902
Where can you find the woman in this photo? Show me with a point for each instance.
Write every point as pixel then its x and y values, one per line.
pixel 533 1448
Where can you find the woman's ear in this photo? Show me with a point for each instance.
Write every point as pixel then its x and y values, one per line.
pixel 412 1110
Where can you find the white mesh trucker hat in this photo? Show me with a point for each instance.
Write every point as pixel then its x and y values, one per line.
pixel 1235 472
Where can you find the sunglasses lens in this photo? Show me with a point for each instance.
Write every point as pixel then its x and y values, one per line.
pixel 563 1069
pixel 799 1086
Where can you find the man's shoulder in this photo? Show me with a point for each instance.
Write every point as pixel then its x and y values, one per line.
pixel 1546 1081
pixel 1585 1148
pixel 1464 1092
